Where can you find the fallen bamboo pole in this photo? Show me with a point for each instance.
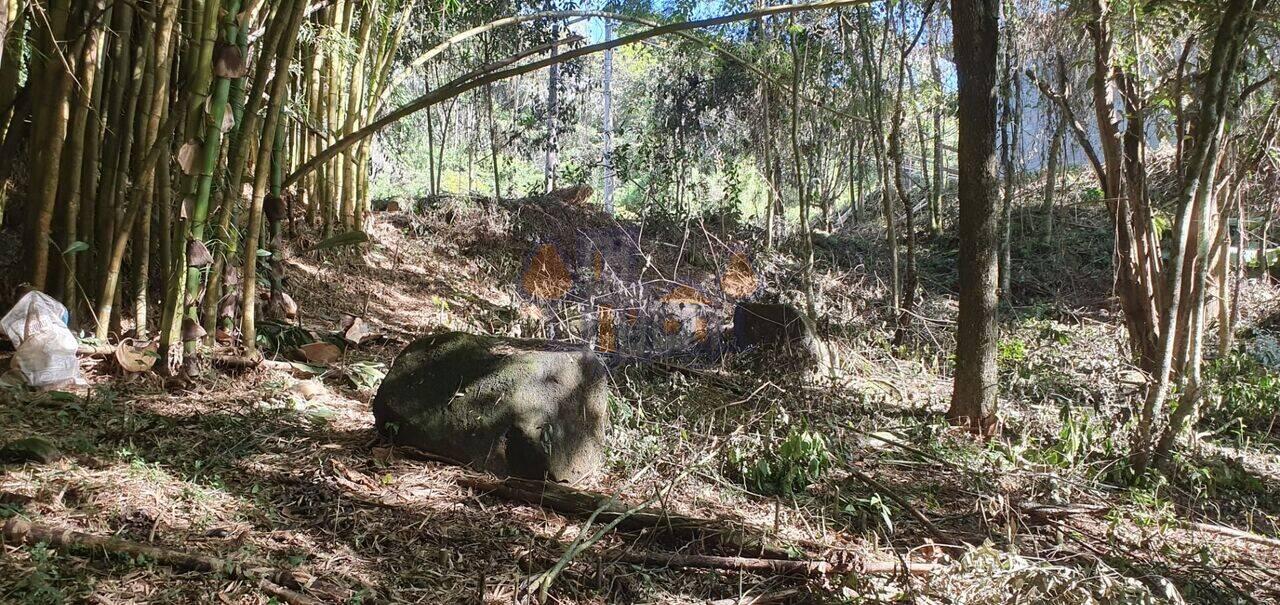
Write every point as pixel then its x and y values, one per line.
pixel 282 583
pixel 782 567
pixel 723 535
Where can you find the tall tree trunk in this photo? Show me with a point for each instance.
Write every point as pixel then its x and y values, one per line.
pixel 202 188
pixel 1051 174
pixel 939 174
pixel 494 150
pixel 355 95
pixel 1008 149
pixel 76 153
pixel 976 33
pixel 802 189
pixel 217 313
pixel 154 142
pixel 768 161
pixel 553 108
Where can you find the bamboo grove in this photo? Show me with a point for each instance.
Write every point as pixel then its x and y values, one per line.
pixel 158 135
pixel 157 152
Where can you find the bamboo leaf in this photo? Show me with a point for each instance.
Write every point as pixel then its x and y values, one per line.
pixel 76 246
pixel 187 157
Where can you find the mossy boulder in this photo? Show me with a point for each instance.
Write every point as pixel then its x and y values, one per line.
pixel 528 408
pixel 31 449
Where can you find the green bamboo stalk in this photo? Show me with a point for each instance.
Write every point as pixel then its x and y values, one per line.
pixel 11 65
pixel 248 296
pixel 155 139
pixel 244 110
pixel 74 156
pixel 210 151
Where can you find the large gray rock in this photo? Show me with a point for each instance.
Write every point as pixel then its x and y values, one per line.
pixel 782 330
pixel 528 408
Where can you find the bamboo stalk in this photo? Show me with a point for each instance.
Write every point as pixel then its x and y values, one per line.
pixel 248 296
pixel 156 138
pixel 22 531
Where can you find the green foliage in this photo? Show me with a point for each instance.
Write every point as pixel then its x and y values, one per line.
pixel 1218 478
pixel 275 336
pixel 366 375
pixel 800 460
pixel 1083 437
pixel 1010 353
pixel 573 172
pixel 40 585
pixel 870 511
pixel 1243 392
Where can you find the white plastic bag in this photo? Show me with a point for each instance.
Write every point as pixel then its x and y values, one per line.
pixel 46 349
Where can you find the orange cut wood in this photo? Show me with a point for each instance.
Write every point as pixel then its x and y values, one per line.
pixel 547 278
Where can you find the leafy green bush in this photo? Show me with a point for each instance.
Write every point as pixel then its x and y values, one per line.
pixel 1083 437
pixel 798 461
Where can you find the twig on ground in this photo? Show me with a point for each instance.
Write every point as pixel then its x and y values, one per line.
pixel 725 535
pixel 1232 532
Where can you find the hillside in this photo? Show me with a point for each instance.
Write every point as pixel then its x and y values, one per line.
pixel 281 467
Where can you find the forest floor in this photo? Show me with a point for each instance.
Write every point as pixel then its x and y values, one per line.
pixel 275 467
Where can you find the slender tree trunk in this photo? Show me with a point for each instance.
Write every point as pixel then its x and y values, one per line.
pixel 771 182
pixel 1008 148
pixel 11 66
pixel 1051 175
pixel 1200 175
pixel 76 152
pixel 607 119
pixel 553 108
pixel 355 96
pixel 49 135
pixel 802 189
pixel 202 188
pixel 939 174
pixel 217 313
pixel 494 150
pixel 154 143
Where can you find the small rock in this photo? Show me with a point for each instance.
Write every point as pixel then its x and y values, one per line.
pixel 31 449
pixel 309 389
